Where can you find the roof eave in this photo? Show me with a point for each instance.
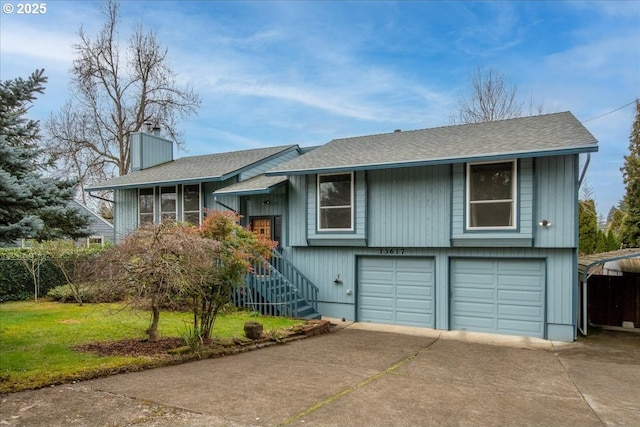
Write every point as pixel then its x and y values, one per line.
pixel 448 160
pixel 157 183
pixel 249 191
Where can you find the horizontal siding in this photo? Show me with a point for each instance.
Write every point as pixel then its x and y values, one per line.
pixel 269 164
pixel 409 207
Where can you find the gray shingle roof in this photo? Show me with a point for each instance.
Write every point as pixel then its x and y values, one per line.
pixel 522 137
pixel 259 184
pixel 211 167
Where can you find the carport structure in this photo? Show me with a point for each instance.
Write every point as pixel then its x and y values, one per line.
pixel 593 265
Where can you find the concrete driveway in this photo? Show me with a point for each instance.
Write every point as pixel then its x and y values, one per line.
pixel 363 375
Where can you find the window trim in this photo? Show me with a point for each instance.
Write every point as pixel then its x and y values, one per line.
pixel 513 200
pixel 153 206
pixel 184 211
pixel 351 202
pixel 175 211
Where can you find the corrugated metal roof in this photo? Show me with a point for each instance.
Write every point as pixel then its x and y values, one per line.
pixel 259 184
pixel 211 167
pixel 586 262
pixel 522 137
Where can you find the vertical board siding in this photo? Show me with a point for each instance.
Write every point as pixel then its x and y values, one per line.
pixel 359 213
pixel 323 265
pixel 125 212
pixel 210 200
pixel 409 207
pixel 556 200
pixel 524 208
pixel 296 223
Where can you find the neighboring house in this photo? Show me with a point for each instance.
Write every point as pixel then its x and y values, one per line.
pixel 101 230
pixel 470 227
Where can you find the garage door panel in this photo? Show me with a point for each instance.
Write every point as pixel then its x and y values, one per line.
pixel 521 297
pixel 473 308
pixel 474 294
pixel 519 326
pixel 479 324
pixel 404 284
pixel 518 311
pixel 381 316
pixel 475 278
pixel 510 292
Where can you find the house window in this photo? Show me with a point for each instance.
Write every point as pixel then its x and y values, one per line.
pixel 95 241
pixel 168 204
pixel 191 204
pixel 491 195
pixel 335 202
pixel 145 206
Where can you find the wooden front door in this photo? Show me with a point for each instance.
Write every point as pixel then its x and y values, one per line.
pixel 268 226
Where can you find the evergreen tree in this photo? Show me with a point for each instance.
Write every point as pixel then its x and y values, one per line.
pixel 31 205
pixel 588 227
pixel 630 227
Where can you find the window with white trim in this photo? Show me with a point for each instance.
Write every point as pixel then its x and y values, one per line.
pixel 491 195
pixel 146 206
pixel 335 202
pixel 168 205
pixel 95 241
pixel 191 204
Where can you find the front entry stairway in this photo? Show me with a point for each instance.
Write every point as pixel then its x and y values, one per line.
pixel 277 288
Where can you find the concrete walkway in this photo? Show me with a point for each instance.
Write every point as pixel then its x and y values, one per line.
pixel 363 375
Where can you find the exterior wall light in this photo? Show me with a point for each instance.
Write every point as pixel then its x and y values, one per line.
pixel 545 223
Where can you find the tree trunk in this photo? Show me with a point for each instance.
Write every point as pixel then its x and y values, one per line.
pixel 153 328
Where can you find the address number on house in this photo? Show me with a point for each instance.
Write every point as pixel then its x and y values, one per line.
pixel 392 251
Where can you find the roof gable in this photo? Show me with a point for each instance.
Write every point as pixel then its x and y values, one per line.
pixel 210 167
pixel 522 137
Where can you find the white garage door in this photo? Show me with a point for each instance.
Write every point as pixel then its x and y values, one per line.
pixel 396 290
pixel 498 296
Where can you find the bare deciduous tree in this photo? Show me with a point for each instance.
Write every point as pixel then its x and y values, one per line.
pixel 492 98
pixel 116 91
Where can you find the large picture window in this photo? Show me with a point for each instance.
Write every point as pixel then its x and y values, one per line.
pixel 335 202
pixel 145 206
pixel 168 204
pixel 191 204
pixel 491 195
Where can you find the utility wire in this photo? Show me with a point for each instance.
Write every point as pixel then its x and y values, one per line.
pixel 612 111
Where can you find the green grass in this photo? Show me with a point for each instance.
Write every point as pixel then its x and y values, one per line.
pixel 37 339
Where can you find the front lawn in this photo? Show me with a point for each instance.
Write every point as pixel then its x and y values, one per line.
pixel 37 340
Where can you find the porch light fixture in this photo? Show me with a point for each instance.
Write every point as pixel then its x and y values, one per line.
pixel 266 202
pixel 545 223
pixel 338 280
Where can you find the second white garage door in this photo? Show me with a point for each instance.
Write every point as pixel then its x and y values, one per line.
pixel 396 290
pixel 499 296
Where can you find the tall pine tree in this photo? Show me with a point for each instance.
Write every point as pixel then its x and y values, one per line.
pixel 31 205
pixel 630 227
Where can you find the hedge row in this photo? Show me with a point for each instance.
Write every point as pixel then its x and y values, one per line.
pixel 16 280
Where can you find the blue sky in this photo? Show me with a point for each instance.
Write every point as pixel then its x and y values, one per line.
pixel 272 73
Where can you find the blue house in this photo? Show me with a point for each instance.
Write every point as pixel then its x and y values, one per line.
pixel 470 227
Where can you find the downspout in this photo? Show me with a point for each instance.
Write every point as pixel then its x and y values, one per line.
pixel 583 300
pixel 584 170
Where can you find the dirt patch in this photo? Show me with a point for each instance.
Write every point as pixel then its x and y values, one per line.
pixel 169 346
pixel 70 321
pixel 132 347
